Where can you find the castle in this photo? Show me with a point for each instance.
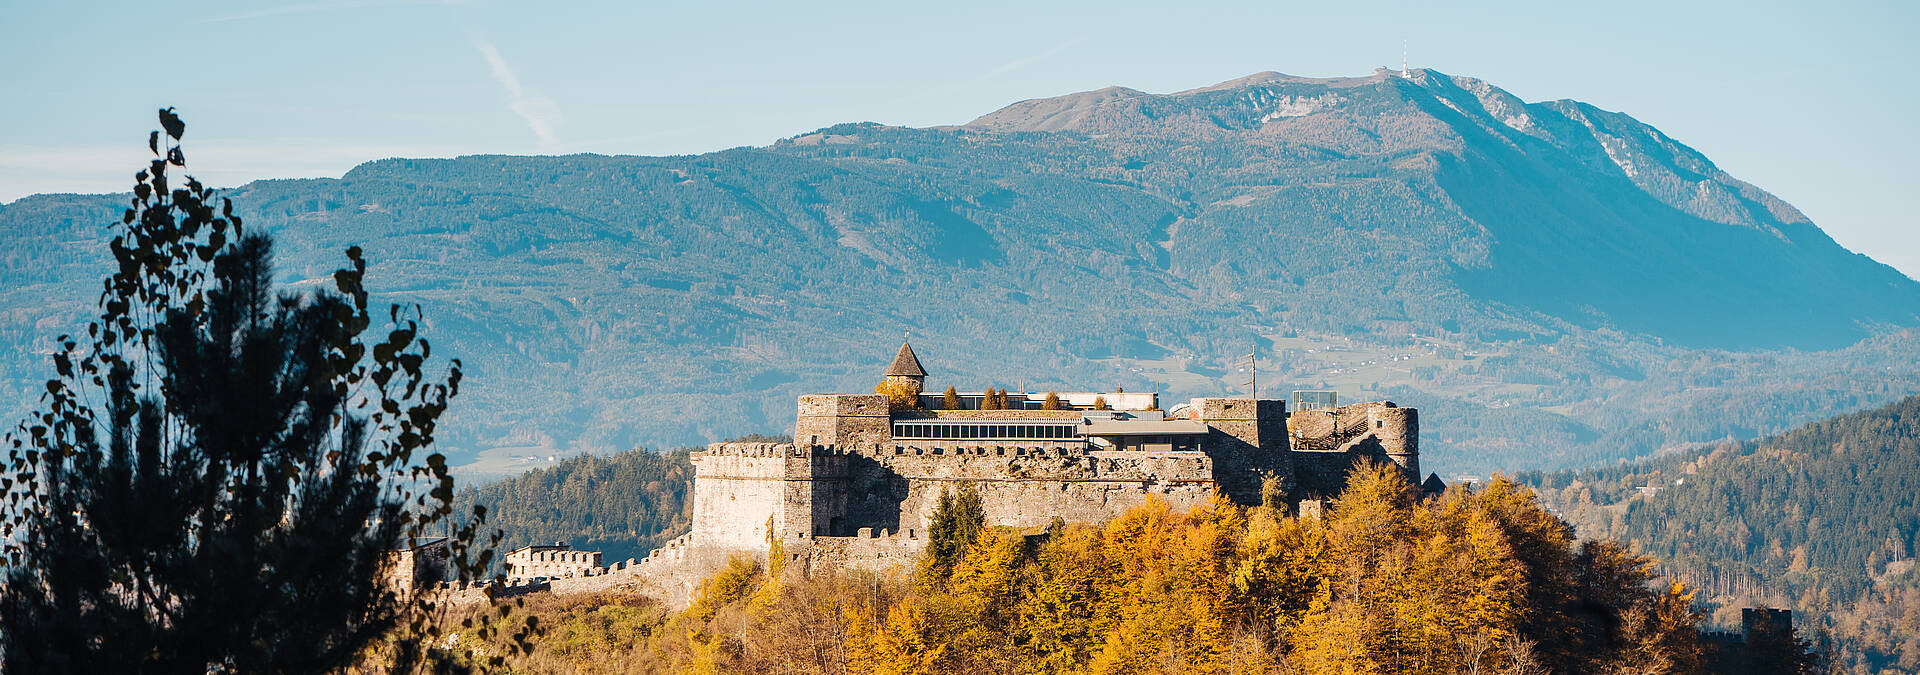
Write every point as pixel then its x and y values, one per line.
pixel 858 484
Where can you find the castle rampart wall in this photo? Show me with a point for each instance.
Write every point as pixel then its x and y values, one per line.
pixel 1029 487
pixel 873 550
pixel 743 486
pixel 552 563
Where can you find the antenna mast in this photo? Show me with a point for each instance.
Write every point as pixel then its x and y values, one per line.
pixel 1404 73
pixel 1253 373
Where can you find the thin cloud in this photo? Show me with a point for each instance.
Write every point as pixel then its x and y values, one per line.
pixel 1008 67
pixel 315 7
pixel 540 112
pixel 1036 58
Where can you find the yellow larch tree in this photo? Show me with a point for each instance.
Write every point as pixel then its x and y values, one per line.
pixel 900 644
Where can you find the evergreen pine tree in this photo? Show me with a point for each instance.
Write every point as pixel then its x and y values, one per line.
pixel 957 520
pixel 201 490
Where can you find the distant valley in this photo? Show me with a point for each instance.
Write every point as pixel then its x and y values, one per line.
pixel 1554 285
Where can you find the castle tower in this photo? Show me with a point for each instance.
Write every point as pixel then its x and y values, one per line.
pixel 906 371
pixel 1760 624
pixel 1398 430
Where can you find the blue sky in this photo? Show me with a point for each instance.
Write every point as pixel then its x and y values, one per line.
pixel 1812 101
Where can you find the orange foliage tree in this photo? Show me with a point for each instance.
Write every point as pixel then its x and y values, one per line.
pixel 1471 582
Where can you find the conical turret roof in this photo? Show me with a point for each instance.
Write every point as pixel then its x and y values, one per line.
pixel 905 363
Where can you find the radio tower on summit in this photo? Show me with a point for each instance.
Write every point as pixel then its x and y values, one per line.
pixel 1404 73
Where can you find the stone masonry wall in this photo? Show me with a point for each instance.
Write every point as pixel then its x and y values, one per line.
pixel 1398 432
pixel 842 420
pixel 538 563
pixel 1248 442
pixel 740 487
pixel 1029 486
pixel 871 550
pixel 1328 443
pixel 827 492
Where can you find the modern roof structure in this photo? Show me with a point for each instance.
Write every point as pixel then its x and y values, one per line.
pixel 1144 428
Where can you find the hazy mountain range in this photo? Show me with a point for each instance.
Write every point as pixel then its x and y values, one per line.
pixel 1555 284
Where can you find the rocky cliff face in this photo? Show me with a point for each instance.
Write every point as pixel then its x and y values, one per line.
pixel 1555 284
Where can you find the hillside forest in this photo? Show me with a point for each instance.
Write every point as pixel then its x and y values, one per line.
pixel 1483 581
pixel 623 504
pixel 1824 519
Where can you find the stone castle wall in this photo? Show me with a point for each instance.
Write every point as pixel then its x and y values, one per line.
pixel 871 550
pixel 1327 443
pixel 828 492
pixel 1030 489
pixel 405 569
pixel 670 574
pixel 843 420
pixel 551 563
pixel 874 503
pixel 743 488
pixel 1248 441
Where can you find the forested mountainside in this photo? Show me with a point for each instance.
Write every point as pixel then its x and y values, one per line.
pixel 1824 519
pixel 622 504
pixel 1558 284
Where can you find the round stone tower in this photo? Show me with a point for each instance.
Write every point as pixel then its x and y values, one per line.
pixel 905 372
pixel 1399 432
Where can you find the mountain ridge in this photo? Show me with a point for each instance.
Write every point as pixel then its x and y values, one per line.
pixel 1496 102
pixel 1528 278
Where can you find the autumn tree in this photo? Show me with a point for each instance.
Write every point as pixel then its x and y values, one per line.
pixel 900 396
pixel 219 468
pixel 1387 581
pixel 950 400
pixel 1051 402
